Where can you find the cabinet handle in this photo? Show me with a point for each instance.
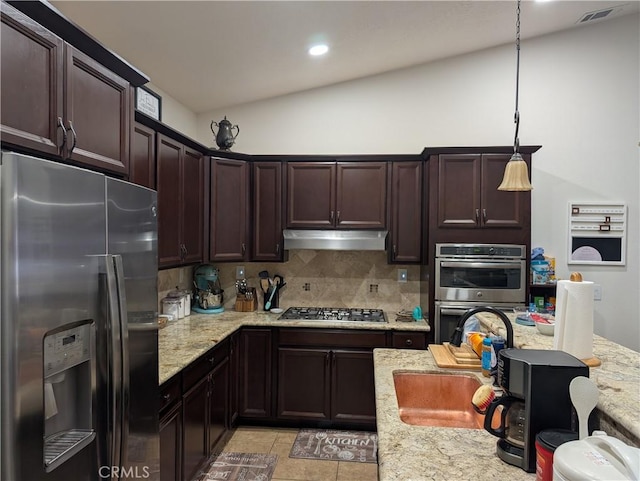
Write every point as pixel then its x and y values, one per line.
pixel 64 133
pixel 183 252
pixel 327 358
pixel 331 217
pixel 395 250
pixel 338 219
pixel 166 397
pixel 278 248
pixel 75 138
pixel 408 342
pixel 212 359
pixel 477 216
pixel 484 216
pixel 244 248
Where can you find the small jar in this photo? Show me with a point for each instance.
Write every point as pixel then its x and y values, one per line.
pixel 171 306
pixel 486 357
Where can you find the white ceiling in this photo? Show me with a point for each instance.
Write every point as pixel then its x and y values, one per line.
pixel 212 54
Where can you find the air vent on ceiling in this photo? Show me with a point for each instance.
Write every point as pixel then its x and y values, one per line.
pixel 600 14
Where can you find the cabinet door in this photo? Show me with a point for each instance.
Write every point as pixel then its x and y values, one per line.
pixel 169 181
pixel 228 231
pixel 142 159
pixel 311 194
pixel 195 448
pixel 219 403
pixel 171 445
pixel 361 195
pixel 304 384
pixel 97 114
pixel 500 209
pixel 267 211
pixel 255 373
pixel 234 377
pixel 406 212
pixel 192 184
pixel 32 83
pixel 459 190
pixel 353 387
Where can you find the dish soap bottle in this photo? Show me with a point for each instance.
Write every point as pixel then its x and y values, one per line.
pixel 486 356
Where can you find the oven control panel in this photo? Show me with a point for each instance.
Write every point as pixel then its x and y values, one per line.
pixel 480 250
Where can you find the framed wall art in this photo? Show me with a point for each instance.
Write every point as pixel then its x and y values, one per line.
pixel 148 102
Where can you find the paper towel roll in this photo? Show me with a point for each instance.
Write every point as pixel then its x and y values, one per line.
pixel 573 331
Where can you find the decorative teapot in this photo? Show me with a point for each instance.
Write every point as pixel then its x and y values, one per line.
pixel 224 137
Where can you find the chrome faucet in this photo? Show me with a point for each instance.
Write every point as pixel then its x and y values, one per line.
pixel 456 338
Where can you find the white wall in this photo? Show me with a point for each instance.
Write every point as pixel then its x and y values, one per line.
pixel 579 99
pixel 176 115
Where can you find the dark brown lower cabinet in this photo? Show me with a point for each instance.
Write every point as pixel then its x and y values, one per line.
pixel 255 373
pixel 195 407
pixel 304 384
pixel 218 421
pixel 327 376
pixel 171 445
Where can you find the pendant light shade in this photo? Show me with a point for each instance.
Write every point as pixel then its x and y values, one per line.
pixel 516 173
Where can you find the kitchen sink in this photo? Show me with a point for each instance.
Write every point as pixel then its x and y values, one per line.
pixel 437 399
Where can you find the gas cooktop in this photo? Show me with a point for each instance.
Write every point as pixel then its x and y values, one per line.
pixel 333 314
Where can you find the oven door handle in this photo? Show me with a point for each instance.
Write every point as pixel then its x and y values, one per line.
pixel 455 311
pixel 482 265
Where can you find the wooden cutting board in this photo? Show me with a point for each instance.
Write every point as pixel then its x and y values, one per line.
pixel 444 358
pixel 464 351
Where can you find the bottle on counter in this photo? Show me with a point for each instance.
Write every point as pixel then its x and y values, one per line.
pixel 486 357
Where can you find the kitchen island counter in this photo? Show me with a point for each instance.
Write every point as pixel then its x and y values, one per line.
pixel 185 340
pixel 416 453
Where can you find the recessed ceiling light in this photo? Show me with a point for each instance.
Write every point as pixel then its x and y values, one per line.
pixel 317 50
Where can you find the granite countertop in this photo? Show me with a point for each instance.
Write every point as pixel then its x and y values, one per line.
pixel 416 453
pixel 185 340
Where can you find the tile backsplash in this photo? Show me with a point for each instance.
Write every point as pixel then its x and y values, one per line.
pixel 319 278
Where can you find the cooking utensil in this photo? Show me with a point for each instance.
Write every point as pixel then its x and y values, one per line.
pixel 274 288
pixel 584 396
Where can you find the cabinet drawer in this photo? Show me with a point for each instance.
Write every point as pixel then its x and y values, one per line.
pixel 204 364
pixel 332 338
pixel 170 392
pixel 409 340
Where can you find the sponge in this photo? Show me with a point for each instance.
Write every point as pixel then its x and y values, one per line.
pixel 482 398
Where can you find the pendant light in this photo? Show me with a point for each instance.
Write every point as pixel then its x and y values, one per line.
pixel 516 174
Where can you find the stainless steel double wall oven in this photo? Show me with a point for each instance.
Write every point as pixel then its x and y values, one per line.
pixel 472 275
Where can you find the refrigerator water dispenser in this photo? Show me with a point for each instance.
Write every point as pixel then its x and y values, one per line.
pixel 69 391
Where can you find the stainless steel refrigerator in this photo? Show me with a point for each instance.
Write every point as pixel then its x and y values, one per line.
pixel 79 338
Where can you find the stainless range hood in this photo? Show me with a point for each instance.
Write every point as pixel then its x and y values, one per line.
pixel 336 240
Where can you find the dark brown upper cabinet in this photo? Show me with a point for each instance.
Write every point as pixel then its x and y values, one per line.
pixel 267 211
pixel 142 159
pixel 58 101
pixel 342 195
pixel 468 197
pixel 180 185
pixel 228 231
pixel 406 212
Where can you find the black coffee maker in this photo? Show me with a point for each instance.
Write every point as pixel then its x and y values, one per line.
pixel 536 397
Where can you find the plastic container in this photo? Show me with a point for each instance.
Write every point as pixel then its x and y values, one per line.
pixel 596 458
pixel 547 442
pixel 486 357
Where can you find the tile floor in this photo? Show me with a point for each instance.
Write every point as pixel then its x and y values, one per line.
pixel 249 439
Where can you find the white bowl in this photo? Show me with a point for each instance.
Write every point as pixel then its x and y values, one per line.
pixel 276 310
pixel 545 329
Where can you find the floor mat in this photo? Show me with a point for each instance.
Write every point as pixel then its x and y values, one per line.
pixel 239 467
pixel 356 446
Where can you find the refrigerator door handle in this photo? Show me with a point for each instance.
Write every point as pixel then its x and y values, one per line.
pixel 124 356
pixel 115 364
